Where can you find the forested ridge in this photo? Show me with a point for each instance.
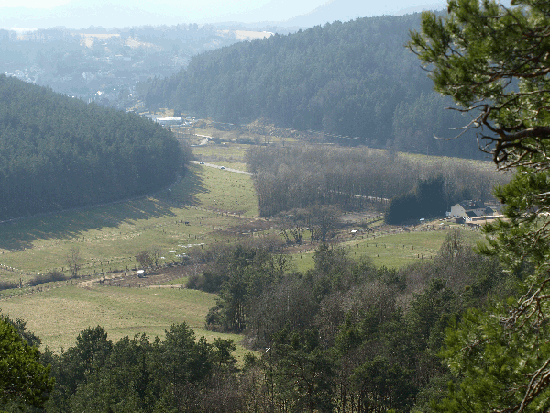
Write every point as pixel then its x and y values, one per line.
pixel 354 79
pixel 58 152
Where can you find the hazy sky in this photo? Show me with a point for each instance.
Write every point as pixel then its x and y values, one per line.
pixel 223 6
pixel 59 12
pixel 44 4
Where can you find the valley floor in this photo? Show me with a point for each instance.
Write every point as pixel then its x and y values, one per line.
pixel 208 206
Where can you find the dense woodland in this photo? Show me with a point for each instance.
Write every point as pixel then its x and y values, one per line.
pixel 352 179
pixel 354 79
pixel 57 152
pixel 321 346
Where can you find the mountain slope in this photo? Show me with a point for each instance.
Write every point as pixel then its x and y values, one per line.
pixel 355 79
pixel 345 10
pixel 56 152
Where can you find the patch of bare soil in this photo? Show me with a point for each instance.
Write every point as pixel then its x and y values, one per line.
pixel 247 227
pixel 161 276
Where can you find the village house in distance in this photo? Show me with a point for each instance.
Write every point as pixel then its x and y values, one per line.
pixel 474 213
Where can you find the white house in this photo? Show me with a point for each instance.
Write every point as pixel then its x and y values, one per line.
pixel 467 209
pixel 169 121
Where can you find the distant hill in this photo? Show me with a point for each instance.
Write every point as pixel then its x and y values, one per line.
pixel 56 152
pixel 125 13
pixel 353 79
pixel 275 13
pixel 103 65
pixel 345 10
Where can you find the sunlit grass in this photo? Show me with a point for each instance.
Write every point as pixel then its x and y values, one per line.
pixel 109 237
pixel 57 316
pixel 391 250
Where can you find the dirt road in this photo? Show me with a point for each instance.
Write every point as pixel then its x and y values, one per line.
pixel 212 165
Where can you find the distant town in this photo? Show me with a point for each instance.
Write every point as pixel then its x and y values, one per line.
pixel 104 67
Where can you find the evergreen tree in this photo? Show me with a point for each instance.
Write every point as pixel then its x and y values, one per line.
pixel 57 152
pixel 492 60
pixel 353 82
pixel 24 381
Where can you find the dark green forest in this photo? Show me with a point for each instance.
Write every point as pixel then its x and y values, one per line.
pixel 57 152
pixel 355 80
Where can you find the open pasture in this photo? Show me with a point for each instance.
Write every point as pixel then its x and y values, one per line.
pixel 233 153
pixel 189 213
pixel 108 237
pixel 393 250
pixel 57 316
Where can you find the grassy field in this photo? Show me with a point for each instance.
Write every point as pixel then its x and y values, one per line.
pixel 229 154
pixel 109 237
pixel 397 250
pixel 57 316
pixel 393 250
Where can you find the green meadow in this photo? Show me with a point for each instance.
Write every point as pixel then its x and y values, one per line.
pixel 108 237
pixel 393 250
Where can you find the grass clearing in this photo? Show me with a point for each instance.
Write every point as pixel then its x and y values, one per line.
pixel 231 192
pixel 57 316
pixel 230 152
pixel 391 250
pixel 397 250
pixel 487 165
pixel 110 236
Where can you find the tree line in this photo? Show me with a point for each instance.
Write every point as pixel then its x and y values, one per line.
pixel 491 60
pixel 346 335
pixel 57 152
pixel 303 176
pixel 427 200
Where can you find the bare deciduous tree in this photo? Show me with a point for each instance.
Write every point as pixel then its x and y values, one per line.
pixel 73 261
pixel 144 259
pixel 155 253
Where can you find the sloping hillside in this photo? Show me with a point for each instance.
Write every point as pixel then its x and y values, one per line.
pixel 57 152
pixel 354 79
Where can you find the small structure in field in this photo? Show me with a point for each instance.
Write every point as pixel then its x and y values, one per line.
pixel 169 121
